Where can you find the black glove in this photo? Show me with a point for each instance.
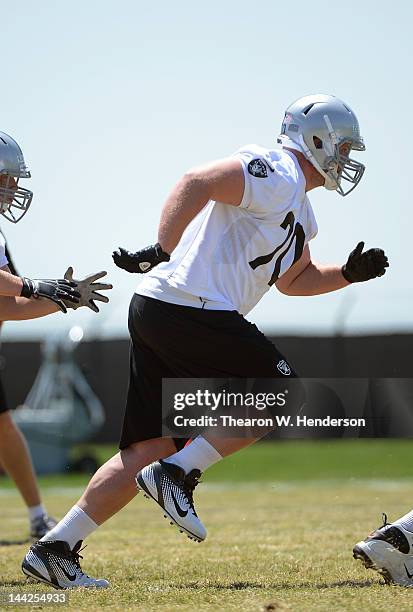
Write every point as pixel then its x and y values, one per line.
pixel 364 266
pixel 88 290
pixel 58 291
pixel 142 261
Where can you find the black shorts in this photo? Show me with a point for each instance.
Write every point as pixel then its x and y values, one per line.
pixel 171 341
pixel 3 402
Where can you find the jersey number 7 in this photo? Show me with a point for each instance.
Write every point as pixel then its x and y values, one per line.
pixel 295 231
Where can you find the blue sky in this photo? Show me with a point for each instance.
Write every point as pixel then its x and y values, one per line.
pixel 113 101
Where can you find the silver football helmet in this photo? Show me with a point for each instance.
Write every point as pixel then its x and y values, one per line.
pixel 14 200
pixel 325 130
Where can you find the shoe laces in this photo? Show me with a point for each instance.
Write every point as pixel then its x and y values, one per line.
pixel 384 519
pixel 384 524
pixel 75 556
pixel 191 480
pixel 393 535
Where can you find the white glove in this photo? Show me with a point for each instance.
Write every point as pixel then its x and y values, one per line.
pixel 88 289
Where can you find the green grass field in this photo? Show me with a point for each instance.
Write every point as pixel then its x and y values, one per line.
pixel 282 520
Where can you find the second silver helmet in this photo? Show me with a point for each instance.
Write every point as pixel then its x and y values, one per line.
pixel 14 199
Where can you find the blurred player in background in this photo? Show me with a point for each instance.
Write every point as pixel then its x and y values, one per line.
pixel 229 231
pixel 14 453
pixel 23 298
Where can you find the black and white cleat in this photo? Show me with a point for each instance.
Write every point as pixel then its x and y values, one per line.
pixel 54 563
pixel 388 551
pixel 172 489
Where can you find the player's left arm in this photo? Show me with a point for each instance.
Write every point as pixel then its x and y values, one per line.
pixel 19 308
pixel 307 277
pixel 16 308
pixel 54 296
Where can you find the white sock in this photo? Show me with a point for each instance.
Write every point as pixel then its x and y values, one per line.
pixel 405 521
pixel 199 454
pixel 75 526
pixel 36 512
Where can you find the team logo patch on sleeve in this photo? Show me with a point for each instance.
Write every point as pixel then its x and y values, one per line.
pixel 257 168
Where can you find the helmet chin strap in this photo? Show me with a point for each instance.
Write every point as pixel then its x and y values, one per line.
pixel 300 146
pixel 286 141
pixel 331 132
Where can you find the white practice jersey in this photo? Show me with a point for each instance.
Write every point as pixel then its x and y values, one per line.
pixel 3 259
pixel 230 256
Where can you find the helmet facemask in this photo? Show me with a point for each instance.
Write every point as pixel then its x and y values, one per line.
pixel 337 165
pixel 14 200
pixel 340 166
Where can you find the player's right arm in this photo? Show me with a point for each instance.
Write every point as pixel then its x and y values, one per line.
pixel 222 180
pixel 9 284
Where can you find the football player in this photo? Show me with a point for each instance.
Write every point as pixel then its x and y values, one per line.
pixel 15 457
pixel 23 298
pixel 229 232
